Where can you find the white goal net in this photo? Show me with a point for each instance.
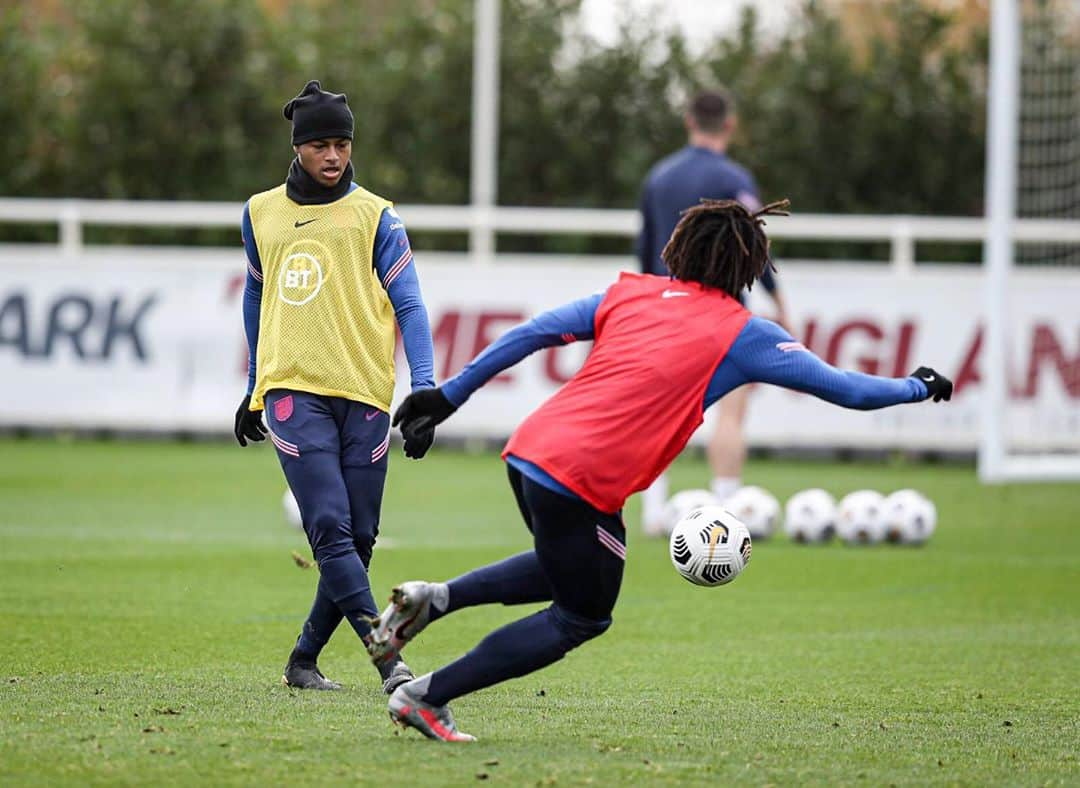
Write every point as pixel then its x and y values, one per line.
pixel 1031 428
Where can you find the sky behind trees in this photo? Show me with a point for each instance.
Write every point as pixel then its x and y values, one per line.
pixel 698 21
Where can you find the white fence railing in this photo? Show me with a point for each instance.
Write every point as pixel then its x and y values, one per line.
pixel 901 232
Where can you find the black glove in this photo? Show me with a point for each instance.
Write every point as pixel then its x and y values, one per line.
pixel 417 439
pixel 937 385
pixel 418 416
pixel 248 424
pixel 428 407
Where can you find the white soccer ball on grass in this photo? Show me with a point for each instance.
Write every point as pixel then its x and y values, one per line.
pixel 810 516
pixel 710 546
pixel 910 517
pixel 861 517
pixel 758 510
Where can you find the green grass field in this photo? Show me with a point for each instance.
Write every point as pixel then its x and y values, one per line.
pixel 148 601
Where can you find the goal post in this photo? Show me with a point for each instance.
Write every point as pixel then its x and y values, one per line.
pixel 1031 431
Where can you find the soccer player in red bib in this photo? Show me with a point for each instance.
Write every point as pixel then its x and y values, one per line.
pixel 665 349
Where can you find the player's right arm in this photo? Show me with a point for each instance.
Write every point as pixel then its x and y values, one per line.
pixel 253 286
pixel 766 353
pixel 247 424
pixel 568 323
pixel 424 409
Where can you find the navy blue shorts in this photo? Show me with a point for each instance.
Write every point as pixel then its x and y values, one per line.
pixel 581 550
pixel 334 454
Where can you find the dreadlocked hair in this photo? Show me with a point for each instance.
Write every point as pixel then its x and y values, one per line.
pixel 722 244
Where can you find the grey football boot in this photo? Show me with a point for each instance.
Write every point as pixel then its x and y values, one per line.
pixel 406 616
pixel 408 709
pixel 303 673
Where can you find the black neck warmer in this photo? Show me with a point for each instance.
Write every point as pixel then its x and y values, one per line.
pixel 302 188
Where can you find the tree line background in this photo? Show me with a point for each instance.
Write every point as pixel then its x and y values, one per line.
pixel 876 112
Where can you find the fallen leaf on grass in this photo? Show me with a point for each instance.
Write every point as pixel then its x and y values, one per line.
pixel 153 729
pixel 491 762
pixel 167 710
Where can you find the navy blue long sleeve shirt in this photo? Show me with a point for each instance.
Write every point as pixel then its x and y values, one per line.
pixel 763 352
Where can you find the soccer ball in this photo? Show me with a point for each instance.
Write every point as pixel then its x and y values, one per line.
pixel 757 508
pixel 292 509
pixel 861 517
pixel 709 546
pixel 910 517
pixel 810 516
pixel 681 504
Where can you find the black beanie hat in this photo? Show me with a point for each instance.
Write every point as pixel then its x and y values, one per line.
pixel 317 115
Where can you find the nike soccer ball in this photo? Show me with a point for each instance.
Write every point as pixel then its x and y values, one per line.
pixel 681 504
pixel 758 510
pixel 709 546
pixel 861 517
pixel 292 509
pixel 810 516
pixel 910 517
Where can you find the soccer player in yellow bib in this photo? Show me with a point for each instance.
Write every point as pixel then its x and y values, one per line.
pixel 329 272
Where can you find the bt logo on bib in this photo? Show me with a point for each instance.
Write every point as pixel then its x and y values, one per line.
pixel 301 278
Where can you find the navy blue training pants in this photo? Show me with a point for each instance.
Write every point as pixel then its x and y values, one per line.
pixel 334 455
pixel 576 562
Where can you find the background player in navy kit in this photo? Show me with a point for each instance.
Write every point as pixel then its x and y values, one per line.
pixel 700 170
pixel 665 349
pixel 338 271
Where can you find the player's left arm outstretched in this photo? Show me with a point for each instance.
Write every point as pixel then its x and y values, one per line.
pixel 766 353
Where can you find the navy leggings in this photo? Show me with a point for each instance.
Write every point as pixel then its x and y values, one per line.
pixel 579 551
pixel 334 455
pixel 576 563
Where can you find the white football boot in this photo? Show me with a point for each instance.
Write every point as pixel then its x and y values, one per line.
pixel 406 616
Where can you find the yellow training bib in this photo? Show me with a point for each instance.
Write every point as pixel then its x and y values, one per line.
pixel 326 325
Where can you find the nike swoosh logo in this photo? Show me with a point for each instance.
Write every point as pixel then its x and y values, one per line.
pixel 309 221
pixel 371 414
pixel 928 379
pixel 673 294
